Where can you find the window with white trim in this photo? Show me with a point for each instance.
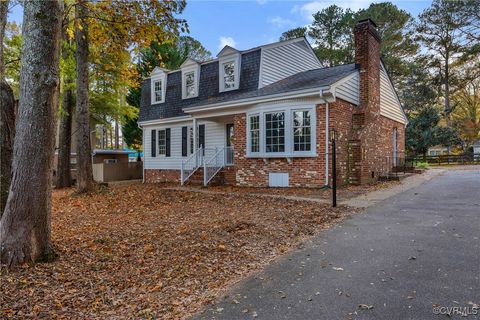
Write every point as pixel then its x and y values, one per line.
pixel 302 131
pixel 255 133
pixel 229 72
pixel 190 88
pixel 228 75
pixel 281 130
pixel 162 142
pixel 158 90
pixel 275 132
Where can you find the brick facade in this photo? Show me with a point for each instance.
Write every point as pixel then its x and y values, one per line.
pixel 161 175
pixel 364 137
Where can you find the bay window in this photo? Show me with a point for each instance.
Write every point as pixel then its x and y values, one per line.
pixel 281 131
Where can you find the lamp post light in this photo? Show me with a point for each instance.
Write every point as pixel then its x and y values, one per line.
pixel 334 168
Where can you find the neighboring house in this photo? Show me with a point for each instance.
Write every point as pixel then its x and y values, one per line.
pixel 476 149
pixel 438 150
pixel 114 165
pixel 263 117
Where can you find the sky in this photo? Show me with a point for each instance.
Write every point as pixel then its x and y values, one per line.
pixel 247 24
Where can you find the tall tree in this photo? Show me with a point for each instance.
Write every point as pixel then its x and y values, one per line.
pixel 440 30
pixel 84 163
pixel 25 224
pixel 466 116
pixel 115 26
pixel 64 178
pixel 396 30
pixel 332 32
pixel 7 117
pixel 294 33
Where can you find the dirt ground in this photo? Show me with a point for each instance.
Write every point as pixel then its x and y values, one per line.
pixel 141 251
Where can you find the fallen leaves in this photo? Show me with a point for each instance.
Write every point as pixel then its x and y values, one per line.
pixel 141 251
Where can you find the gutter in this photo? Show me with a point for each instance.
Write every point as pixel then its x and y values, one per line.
pixel 247 101
pixel 327 97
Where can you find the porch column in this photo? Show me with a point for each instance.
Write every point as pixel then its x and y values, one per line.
pixel 195 143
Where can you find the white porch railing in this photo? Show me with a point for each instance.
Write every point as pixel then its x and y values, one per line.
pixel 189 166
pixel 211 159
pixel 213 165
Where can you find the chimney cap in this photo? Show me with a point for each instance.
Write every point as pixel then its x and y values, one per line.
pixel 367 20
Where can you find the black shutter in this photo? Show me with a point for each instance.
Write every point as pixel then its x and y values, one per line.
pixel 184 141
pixel 167 142
pixel 154 143
pixel 201 135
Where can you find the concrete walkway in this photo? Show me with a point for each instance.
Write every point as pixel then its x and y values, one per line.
pixel 402 259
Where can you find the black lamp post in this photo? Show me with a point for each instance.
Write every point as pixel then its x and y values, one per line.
pixel 334 169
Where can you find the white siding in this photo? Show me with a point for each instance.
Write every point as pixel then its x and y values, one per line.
pixel 282 61
pixel 215 136
pixel 390 107
pixel 349 90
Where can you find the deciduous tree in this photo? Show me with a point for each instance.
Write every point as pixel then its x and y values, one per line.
pixel 25 224
pixel 7 117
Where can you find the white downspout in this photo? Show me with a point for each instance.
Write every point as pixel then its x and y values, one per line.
pixel 327 153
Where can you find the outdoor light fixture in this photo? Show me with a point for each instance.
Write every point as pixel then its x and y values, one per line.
pixel 334 167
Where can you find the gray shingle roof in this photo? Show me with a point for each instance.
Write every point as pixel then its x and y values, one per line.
pixel 310 79
pixel 208 88
pixel 249 77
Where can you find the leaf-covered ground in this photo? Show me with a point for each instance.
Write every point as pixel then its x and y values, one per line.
pixel 141 251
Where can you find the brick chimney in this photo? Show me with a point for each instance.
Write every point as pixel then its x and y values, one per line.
pixel 367 56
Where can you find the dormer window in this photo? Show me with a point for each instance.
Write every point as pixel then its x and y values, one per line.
pixel 229 69
pixel 190 85
pixel 157 91
pixel 229 75
pixel 158 80
pixel 190 78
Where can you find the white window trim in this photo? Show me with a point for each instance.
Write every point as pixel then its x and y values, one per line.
pixel 236 59
pixel 289 152
pixel 196 72
pixel 155 78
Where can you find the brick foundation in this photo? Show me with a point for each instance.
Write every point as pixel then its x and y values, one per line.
pixel 161 175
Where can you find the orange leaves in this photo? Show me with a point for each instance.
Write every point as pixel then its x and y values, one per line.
pixel 145 251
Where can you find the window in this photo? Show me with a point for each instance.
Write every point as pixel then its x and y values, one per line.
pixel 190 90
pixel 229 72
pixel 281 130
pixel 255 133
pixel 162 142
pixel 301 131
pixel 275 132
pixel 229 75
pixel 157 90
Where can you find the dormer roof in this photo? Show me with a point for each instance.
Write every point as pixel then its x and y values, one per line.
pixel 189 62
pixel 158 71
pixel 226 51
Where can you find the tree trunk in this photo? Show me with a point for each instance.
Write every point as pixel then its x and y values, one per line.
pixel 25 224
pixel 84 150
pixel 64 178
pixel 7 118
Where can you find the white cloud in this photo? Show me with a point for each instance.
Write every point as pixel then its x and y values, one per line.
pixel 308 9
pixel 226 41
pixel 262 2
pixel 280 22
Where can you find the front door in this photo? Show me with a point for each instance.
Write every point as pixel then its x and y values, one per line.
pixel 229 149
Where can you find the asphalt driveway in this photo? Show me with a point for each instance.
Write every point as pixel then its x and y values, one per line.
pixel 413 256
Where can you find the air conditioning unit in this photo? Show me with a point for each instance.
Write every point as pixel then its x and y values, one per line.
pixel 110 161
